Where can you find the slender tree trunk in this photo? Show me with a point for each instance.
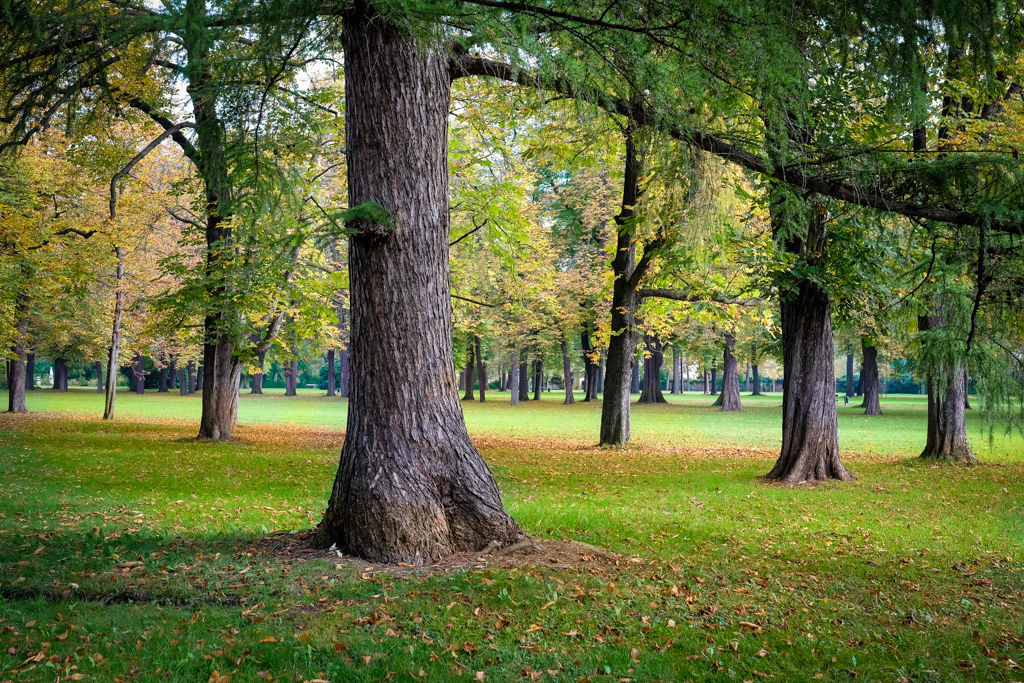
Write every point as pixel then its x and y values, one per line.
pixel 590 365
pixel 686 376
pixel 600 374
pixel 190 379
pixel 677 371
pixel 704 383
pixel 538 378
pixel 139 374
pixel 524 376
pixel 330 371
pixel 257 377
pixel 99 376
pixel 513 379
pixel 481 370
pixel 967 392
pixel 713 388
pixel 729 399
pixel 653 360
pixel 30 372
pixel 567 374
pixel 947 423
pixel 410 485
pixel 469 373
pixel 113 354
pixel 201 377
pixel 869 377
pixel 162 381
pixel 810 435
pixel 746 378
pixel 757 380
pixel 16 367
pixel 849 370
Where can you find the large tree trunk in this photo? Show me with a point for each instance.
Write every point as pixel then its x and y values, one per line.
pixel 567 374
pixel 16 366
pixel 756 375
pixel 729 399
pixel 967 392
pixel 343 373
pixel 139 374
pixel 869 377
pixel 257 377
pixel 591 368
pixel 481 370
pixel 330 371
pixel 513 378
pixel 99 377
pixel 30 372
pixel 60 375
pixel 410 485
pixel 291 378
pixel 182 382
pixel 653 360
pixel 469 373
pixel 947 425
pixel 201 377
pixel 162 379
pixel 810 434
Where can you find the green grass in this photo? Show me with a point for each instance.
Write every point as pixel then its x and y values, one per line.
pixel 131 551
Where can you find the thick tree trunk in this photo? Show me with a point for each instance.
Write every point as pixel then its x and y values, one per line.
pixel 182 382
pixel 30 372
pixel 524 376
pixel 947 424
pixel 590 365
pixel 967 392
pixel 729 399
pixel 567 374
pixel 513 378
pixel 757 380
pixel 16 366
pixel 190 377
pixel 257 377
pixel 162 381
pixel 343 373
pixel 330 372
pixel 481 370
pixel 99 377
pixel 291 378
pixel 60 374
pixel 600 375
pixel 653 360
pixel 139 374
pixel 810 435
pixel 410 485
pixel 469 374
pixel 869 377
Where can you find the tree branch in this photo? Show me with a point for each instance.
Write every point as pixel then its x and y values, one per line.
pixel 678 295
pixel 139 157
pixel 475 228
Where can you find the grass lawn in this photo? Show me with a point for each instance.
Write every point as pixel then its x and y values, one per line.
pixel 130 551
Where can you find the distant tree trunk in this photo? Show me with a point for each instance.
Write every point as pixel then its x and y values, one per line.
pixel 653 360
pixel 704 382
pixel 200 377
pixel 686 376
pixel 410 485
pixel 190 380
pixel 590 365
pixel 677 371
pixel 99 377
pixel 113 354
pixel 524 376
pixel 30 372
pixel 729 399
pixel 469 373
pixel 713 388
pixel 538 378
pixel 139 374
pixel 291 378
pixel 869 377
pixel 746 378
pixel 330 371
pixel 162 378
pixel 344 373
pixel 967 392
pixel 810 436
pixel 756 378
pixel 947 424
pixel 243 381
pixel 567 374
pixel 634 376
pixel 182 381
pixel 600 374
pixel 60 375
pixel 16 366
pixel 513 379
pixel 849 370
pixel 257 377
pixel 481 369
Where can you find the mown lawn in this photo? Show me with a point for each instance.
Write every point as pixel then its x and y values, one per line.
pixel 130 551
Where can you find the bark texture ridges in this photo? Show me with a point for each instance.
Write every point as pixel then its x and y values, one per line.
pixel 653 360
pixel 947 424
pixel 729 399
pixel 410 486
pixel 869 377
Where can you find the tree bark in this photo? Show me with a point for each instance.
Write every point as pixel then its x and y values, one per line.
pixel 201 377
pixel 567 374
pixel 967 392
pixel 538 378
pixel 810 434
pixel 410 485
pixel 513 378
pixel 330 372
pixel 524 376
pixel 469 373
pixel 481 369
pixel 182 382
pixel 590 366
pixel 653 360
pixel 16 366
pixel 729 399
pixel 713 384
pixel 849 370
pixel 30 372
pixel 257 377
pixel 343 373
pixel 869 377
pixel 947 424
pixel 291 378
pixel 165 371
pixel 139 374
pixel 756 378
pixel 677 371
pixel 190 377
pixel 99 377
pixel 746 378
pixel 60 374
